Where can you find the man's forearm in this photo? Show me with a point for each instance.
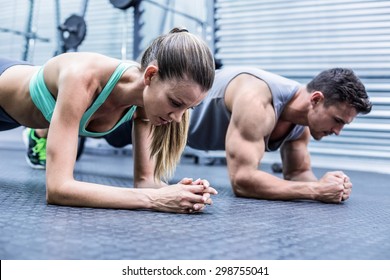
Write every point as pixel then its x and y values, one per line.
pixel 262 185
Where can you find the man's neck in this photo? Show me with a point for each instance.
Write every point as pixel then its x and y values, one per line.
pixel 297 109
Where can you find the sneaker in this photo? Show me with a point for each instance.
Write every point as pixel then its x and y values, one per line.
pixel 36 149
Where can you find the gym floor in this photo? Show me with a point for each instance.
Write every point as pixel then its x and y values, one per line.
pixel 232 228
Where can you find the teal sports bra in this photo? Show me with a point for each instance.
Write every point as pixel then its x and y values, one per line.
pixel 45 101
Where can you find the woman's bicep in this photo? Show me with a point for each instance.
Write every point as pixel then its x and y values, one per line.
pixel 71 104
pixel 61 146
pixel 143 163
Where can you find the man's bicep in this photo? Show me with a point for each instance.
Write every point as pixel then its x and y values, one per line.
pixel 244 148
pixel 295 155
pixel 251 121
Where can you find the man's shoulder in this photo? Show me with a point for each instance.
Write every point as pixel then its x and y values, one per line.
pixel 240 70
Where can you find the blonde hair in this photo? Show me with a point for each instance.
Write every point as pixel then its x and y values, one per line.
pixel 179 55
pixel 168 143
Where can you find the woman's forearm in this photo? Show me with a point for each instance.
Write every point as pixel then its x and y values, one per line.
pixel 83 194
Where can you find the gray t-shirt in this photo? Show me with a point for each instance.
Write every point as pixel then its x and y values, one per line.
pixel 209 121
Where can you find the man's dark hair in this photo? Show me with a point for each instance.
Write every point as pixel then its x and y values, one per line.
pixel 341 85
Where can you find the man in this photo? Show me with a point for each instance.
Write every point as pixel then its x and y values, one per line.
pixel 249 111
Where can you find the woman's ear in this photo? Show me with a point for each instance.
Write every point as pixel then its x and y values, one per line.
pixel 150 72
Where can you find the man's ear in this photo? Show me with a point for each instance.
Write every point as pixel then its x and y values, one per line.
pixel 150 72
pixel 316 97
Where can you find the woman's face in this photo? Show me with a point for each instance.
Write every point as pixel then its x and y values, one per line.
pixel 166 101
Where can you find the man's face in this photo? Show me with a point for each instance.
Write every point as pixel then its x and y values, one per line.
pixel 328 120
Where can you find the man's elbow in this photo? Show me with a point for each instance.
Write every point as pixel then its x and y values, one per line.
pixel 240 185
pixel 305 175
pixel 244 185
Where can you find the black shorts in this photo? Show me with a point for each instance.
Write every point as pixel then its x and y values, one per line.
pixel 6 121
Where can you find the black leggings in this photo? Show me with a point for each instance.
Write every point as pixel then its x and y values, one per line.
pixel 6 121
pixel 121 136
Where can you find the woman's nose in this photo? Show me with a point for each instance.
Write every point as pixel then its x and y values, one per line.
pixel 176 116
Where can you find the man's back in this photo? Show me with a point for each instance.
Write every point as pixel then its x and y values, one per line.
pixel 210 120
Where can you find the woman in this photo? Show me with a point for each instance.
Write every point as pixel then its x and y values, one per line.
pixel 91 94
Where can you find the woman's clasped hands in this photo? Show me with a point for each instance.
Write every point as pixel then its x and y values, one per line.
pixel 187 196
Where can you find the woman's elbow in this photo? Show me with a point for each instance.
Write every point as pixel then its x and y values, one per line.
pixel 55 192
pixel 51 194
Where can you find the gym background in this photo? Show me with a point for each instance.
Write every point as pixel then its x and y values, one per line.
pixel 296 39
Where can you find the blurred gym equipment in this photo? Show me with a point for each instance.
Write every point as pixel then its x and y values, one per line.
pixel 30 34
